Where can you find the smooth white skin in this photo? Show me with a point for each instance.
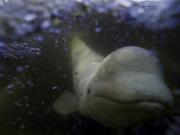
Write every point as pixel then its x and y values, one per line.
pixel 125 86
pixel 128 86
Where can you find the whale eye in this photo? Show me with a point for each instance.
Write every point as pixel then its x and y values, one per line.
pixel 75 73
pixel 88 91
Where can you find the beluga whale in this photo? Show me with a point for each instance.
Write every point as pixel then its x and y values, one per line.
pixel 126 86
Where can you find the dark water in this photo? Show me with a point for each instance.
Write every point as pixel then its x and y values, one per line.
pixel 35 66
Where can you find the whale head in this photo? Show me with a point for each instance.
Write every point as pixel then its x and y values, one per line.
pixel 127 87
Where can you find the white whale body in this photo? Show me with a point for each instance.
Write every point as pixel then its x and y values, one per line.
pixel 125 86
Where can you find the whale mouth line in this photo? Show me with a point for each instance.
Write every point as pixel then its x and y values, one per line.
pixel 141 102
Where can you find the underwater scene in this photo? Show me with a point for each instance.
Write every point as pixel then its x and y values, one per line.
pixel 89 67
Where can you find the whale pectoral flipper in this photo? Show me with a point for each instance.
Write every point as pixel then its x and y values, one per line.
pixel 67 103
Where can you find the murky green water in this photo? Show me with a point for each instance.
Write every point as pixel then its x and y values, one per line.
pixel 36 64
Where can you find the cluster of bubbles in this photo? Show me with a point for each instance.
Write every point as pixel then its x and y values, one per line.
pixel 18 51
pixel 166 14
pixel 20 17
